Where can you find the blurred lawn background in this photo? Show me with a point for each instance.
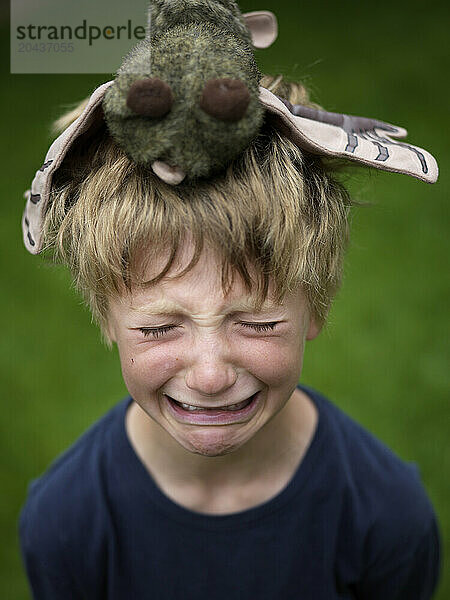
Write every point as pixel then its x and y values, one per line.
pixel 383 356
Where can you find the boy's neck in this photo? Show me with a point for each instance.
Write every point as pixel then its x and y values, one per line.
pixel 259 469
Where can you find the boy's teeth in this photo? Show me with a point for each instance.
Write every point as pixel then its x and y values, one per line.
pixel 237 406
pixel 188 407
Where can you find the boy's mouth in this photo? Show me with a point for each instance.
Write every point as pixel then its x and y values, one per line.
pixel 216 409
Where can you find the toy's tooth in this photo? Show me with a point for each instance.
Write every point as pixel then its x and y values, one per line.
pixel 171 175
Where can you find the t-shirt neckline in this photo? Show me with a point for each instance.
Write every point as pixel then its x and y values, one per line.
pixel 132 469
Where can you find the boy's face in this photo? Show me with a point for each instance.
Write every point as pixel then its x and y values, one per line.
pixel 182 340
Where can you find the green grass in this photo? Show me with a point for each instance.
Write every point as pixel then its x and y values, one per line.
pixel 383 356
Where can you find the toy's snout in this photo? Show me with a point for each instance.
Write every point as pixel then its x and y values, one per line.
pixel 224 99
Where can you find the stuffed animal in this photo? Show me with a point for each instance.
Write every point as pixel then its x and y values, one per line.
pixel 186 98
pixel 187 101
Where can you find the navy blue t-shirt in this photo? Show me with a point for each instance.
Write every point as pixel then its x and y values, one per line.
pixel 353 522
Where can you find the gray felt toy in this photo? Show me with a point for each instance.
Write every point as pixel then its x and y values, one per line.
pixel 187 101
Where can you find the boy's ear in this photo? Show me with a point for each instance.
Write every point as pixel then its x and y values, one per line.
pixel 110 331
pixel 313 330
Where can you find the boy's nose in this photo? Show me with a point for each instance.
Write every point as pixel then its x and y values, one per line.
pixel 210 376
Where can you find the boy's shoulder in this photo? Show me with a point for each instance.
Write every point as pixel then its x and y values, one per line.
pixel 73 482
pixel 370 469
pixel 383 498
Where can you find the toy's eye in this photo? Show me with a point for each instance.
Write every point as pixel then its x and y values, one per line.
pixel 150 97
pixel 225 99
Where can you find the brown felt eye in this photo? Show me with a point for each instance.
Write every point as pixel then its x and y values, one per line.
pixel 150 97
pixel 225 99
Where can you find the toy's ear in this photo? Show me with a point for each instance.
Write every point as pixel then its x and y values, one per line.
pixel 263 27
pixel 37 196
pixel 358 139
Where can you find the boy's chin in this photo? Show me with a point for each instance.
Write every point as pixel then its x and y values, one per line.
pixel 211 441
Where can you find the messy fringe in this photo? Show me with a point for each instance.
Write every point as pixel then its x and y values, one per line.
pixel 276 208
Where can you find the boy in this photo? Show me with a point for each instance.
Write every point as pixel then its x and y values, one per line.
pixel 220 476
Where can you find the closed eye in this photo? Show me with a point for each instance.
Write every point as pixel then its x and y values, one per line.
pixel 261 326
pixel 158 332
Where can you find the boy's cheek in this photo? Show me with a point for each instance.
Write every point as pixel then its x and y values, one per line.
pixel 140 372
pixel 274 360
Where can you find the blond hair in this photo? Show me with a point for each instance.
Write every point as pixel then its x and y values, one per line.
pixel 276 208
